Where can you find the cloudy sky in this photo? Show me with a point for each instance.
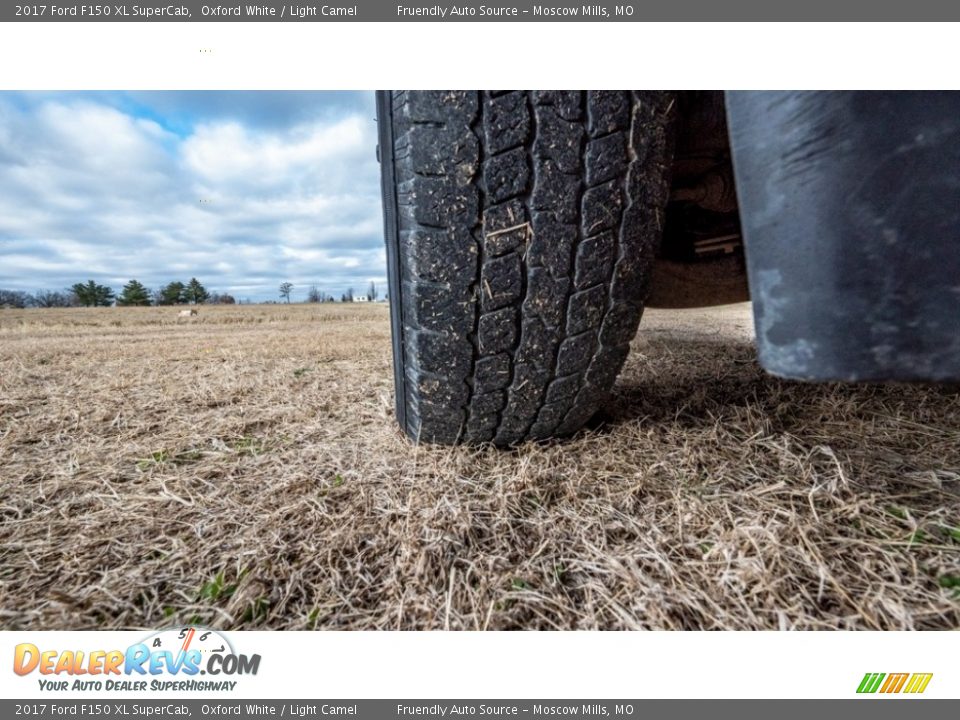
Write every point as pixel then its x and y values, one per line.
pixel 243 190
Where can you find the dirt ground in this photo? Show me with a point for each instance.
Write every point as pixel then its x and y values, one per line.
pixel 242 469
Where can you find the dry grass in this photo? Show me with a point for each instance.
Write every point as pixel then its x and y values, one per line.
pixel 243 470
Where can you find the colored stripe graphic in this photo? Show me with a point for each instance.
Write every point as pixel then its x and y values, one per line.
pixel 918 682
pixel 894 683
pixel 870 682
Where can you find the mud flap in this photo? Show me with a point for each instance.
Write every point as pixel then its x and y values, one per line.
pixel 850 205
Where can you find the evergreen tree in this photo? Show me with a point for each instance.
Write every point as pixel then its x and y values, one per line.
pixel 134 293
pixel 83 294
pixel 105 296
pixel 92 294
pixel 285 290
pixel 195 292
pixel 172 293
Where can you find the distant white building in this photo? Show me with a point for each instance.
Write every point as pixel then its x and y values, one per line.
pixel 360 298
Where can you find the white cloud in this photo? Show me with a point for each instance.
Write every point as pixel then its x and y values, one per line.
pixel 227 153
pixel 93 191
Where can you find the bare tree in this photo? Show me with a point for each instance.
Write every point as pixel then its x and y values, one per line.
pixel 54 299
pixel 15 299
pixel 372 292
pixel 285 289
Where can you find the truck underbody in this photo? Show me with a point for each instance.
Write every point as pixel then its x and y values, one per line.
pixel 701 260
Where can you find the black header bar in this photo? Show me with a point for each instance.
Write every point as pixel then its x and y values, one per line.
pixel 493 11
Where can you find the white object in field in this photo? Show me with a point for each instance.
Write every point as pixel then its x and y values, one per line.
pixel 187 313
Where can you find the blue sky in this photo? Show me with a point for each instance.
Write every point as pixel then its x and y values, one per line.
pixel 243 190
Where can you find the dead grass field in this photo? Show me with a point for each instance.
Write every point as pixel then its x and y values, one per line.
pixel 242 469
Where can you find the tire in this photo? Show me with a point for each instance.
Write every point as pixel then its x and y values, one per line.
pixel 521 229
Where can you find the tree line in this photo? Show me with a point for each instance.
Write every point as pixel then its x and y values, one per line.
pixel 135 293
pixel 316 295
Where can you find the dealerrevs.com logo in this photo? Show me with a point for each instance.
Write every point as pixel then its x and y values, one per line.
pixel 168 660
pixel 891 683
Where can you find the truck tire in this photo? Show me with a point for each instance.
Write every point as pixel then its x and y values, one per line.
pixel 521 228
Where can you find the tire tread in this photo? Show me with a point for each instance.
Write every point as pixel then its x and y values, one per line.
pixel 527 227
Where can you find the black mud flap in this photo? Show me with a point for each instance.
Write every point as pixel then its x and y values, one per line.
pixel 850 205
